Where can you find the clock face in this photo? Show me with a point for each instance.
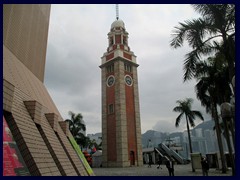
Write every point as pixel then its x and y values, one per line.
pixel 110 80
pixel 128 80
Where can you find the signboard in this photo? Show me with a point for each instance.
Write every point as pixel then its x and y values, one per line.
pixel 81 156
pixel 13 163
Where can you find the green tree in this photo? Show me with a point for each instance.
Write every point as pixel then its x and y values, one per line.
pixel 212 89
pixel 185 108
pixel 94 144
pixel 213 32
pixel 76 127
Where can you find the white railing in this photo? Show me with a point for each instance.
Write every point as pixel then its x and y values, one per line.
pixel 159 152
pixel 171 152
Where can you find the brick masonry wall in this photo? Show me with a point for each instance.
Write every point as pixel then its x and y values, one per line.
pixel 32 145
pixel 131 122
pixel 111 124
pixel 122 128
pixel 57 148
pixel 35 145
pixel 25 31
pixel 8 91
pixel 72 152
pixel 104 117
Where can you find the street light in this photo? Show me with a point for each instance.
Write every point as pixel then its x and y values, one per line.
pixel 169 141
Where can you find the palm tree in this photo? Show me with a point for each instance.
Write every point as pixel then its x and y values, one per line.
pixel 76 127
pixel 185 108
pixel 213 89
pixel 213 32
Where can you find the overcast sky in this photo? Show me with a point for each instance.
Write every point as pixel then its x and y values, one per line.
pixel 77 40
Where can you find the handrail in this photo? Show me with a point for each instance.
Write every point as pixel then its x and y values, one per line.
pixel 159 152
pixel 171 152
pixel 177 156
pixel 166 149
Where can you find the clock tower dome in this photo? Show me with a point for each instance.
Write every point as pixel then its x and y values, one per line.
pixel 121 128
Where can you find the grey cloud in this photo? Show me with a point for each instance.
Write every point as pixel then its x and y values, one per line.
pixel 78 39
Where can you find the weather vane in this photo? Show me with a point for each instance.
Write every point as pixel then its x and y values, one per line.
pixel 117 11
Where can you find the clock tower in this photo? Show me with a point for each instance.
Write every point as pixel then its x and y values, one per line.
pixel 121 128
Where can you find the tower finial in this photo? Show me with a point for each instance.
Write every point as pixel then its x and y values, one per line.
pixel 117 12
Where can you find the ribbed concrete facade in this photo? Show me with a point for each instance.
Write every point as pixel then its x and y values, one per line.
pixel 31 115
pixel 25 32
pixel 121 128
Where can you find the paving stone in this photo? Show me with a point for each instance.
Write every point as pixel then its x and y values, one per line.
pixel 179 170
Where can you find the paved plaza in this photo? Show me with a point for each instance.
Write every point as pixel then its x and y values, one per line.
pixel 180 170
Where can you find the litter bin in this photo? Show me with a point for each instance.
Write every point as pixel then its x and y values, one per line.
pixel 196 160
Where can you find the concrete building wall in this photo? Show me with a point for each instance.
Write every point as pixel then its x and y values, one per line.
pixel 28 108
pixel 25 32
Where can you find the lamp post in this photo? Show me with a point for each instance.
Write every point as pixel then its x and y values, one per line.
pixel 169 141
pixel 149 143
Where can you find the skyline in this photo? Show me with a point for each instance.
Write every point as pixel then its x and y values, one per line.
pixel 77 40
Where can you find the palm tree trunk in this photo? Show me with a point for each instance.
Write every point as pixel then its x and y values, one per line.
pixel 190 142
pixel 232 132
pixel 219 138
pixel 227 55
pixel 225 120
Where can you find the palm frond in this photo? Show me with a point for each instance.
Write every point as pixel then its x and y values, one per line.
pixel 191 30
pixel 191 120
pixel 201 90
pixel 177 38
pixel 76 126
pixel 177 109
pixel 189 65
pixel 178 119
pixel 198 114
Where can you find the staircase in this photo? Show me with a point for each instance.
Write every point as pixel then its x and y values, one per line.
pixel 167 152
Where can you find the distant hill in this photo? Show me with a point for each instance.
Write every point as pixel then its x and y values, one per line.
pixel 206 125
pixel 157 137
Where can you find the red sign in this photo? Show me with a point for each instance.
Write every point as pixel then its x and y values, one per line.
pixel 13 163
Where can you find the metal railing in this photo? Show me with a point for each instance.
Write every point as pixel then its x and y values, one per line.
pixel 173 153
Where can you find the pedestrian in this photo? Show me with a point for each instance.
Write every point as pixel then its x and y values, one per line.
pixel 170 167
pixel 205 166
pixel 159 163
pixel 149 162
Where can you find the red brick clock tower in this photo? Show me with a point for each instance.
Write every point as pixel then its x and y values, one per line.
pixel 121 128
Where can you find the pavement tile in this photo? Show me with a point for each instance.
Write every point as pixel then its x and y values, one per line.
pixel 179 170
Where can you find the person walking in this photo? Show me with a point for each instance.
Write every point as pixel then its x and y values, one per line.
pixel 170 167
pixel 150 161
pixel 205 166
pixel 159 162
